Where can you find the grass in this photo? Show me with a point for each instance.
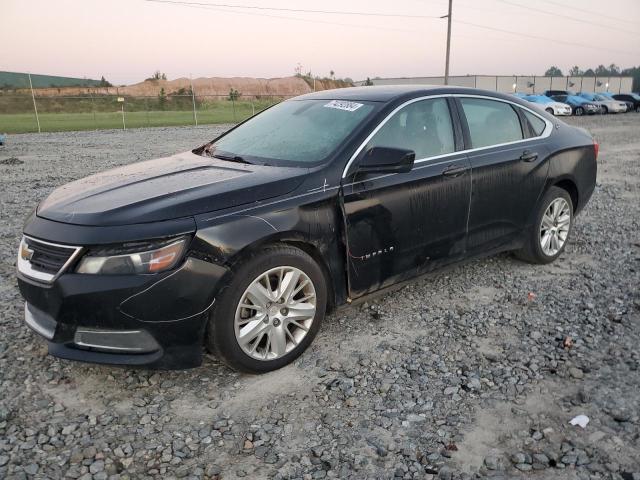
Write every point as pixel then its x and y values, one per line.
pixel 211 113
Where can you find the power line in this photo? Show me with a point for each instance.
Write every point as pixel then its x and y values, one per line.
pixel 296 10
pixel 282 17
pixel 520 34
pixel 568 17
pixel 592 12
pixel 212 6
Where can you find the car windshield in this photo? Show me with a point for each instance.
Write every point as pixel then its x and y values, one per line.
pixel 599 98
pixel 292 133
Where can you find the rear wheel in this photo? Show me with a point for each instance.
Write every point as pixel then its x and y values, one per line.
pixel 551 229
pixel 579 111
pixel 638 109
pixel 270 311
pixel 604 110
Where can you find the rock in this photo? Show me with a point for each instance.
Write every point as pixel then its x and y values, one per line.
pixel 96 466
pixel 576 373
pixel 492 463
pixel 31 469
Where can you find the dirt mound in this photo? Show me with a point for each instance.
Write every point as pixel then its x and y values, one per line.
pixel 247 86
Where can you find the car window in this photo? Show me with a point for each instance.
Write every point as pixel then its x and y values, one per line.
pixel 294 132
pixel 491 122
pixel 537 124
pixel 424 127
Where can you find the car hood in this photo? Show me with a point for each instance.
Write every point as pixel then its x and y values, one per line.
pixel 167 188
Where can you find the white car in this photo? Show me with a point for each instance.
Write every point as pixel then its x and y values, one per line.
pixel 548 104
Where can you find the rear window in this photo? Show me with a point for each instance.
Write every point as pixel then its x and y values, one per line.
pixel 491 122
pixel 536 123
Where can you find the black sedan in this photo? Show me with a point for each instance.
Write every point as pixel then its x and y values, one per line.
pixel 632 99
pixel 242 245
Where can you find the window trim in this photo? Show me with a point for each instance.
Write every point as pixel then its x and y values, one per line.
pixel 545 133
pixel 456 145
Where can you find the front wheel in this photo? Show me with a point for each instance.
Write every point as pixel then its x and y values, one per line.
pixel 551 229
pixel 549 110
pixel 604 110
pixel 269 312
pixel 579 111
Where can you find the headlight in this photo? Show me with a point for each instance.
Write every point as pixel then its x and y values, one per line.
pixel 134 258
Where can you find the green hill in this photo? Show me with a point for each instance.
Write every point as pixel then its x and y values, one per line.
pixel 21 80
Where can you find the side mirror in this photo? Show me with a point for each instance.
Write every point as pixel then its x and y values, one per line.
pixel 387 160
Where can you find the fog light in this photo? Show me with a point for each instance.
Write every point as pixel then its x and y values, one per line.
pixel 133 341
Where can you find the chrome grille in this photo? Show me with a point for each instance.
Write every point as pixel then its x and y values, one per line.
pixel 44 261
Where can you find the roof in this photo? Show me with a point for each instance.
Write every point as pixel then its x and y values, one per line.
pixel 387 93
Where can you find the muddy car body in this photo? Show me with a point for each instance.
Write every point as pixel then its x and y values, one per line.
pixel 145 264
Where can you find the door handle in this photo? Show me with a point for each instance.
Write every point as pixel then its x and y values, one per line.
pixel 454 171
pixel 528 156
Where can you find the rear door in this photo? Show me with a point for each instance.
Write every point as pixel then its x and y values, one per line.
pixel 509 170
pixel 400 225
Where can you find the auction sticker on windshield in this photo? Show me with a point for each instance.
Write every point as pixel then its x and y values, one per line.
pixel 344 105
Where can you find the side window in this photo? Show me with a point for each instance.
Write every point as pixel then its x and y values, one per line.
pixel 424 127
pixel 491 122
pixel 535 122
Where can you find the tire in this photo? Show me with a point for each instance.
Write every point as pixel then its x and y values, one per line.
pixel 604 110
pixel 549 110
pixel 638 109
pixel 228 320
pixel 579 111
pixel 534 250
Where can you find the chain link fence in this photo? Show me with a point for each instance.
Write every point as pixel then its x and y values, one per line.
pixel 24 113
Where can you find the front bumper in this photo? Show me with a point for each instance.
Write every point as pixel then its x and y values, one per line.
pixel 156 321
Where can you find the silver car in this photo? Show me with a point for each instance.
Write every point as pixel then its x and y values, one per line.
pixel 607 105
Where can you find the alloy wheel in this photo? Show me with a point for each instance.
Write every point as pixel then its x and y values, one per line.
pixel 579 111
pixel 275 313
pixel 555 225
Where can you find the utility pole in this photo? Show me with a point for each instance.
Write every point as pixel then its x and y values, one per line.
pixel 448 17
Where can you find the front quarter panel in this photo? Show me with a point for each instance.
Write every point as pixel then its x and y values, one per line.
pixel 310 220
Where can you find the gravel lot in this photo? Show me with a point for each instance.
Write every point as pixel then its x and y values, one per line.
pixel 472 372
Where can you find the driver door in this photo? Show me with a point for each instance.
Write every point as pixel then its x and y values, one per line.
pixel 400 225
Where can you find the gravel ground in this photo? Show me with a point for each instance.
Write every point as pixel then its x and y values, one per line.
pixel 472 372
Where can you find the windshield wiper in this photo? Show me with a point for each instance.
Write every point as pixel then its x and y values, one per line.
pixel 231 158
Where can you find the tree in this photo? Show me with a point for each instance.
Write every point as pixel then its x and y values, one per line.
pixel 104 83
pixel 589 73
pixel 332 74
pixel 368 82
pixel 602 71
pixel 575 71
pixel 157 75
pixel 553 71
pixel 614 69
pixel 233 95
pixel 162 99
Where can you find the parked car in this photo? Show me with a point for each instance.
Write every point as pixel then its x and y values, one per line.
pixel 243 244
pixel 549 105
pixel 607 105
pixel 580 106
pixel 631 99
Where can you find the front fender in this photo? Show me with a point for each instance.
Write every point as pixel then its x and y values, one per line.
pixel 315 227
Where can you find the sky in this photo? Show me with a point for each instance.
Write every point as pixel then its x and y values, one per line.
pixel 127 40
